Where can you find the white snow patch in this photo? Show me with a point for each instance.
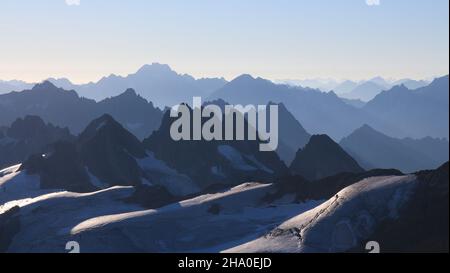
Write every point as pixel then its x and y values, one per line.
pixel 50 218
pixel 159 173
pixel 10 170
pixel 231 192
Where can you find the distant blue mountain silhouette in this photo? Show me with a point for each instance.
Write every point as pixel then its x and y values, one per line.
pixel 156 82
pixel 411 84
pixel 373 149
pixel 14 85
pixel 345 87
pixel 415 113
pixel 397 112
pixel 317 111
pixel 292 136
pixel 365 91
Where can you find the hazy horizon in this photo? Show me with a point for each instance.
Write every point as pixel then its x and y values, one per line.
pixel 87 40
pixel 282 80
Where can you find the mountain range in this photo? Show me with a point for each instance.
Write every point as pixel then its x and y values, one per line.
pixel 389 112
pixel 364 90
pixel 214 162
pixel 373 149
pixel 415 113
pixel 156 82
pixel 106 181
pixel 318 112
pixel 66 109
pixel 105 154
pixel 106 173
pixel 14 85
pixel 398 112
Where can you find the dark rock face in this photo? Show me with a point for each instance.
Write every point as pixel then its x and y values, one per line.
pixel 9 226
pixel 61 169
pixel 206 162
pixel 109 152
pixel 27 128
pixel 105 149
pixel 322 157
pixel 28 136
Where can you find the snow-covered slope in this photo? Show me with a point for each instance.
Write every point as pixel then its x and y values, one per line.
pixel 157 172
pixel 104 222
pixel 341 223
pixel 46 221
pixel 15 184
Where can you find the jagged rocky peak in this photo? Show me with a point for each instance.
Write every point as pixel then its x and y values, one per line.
pixel 108 133
pixel 323 157
pixel 45 85
pixel 26 127
pixel 130 92
pixel 98 124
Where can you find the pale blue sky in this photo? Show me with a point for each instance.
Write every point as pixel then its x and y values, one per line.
pixel 205 38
